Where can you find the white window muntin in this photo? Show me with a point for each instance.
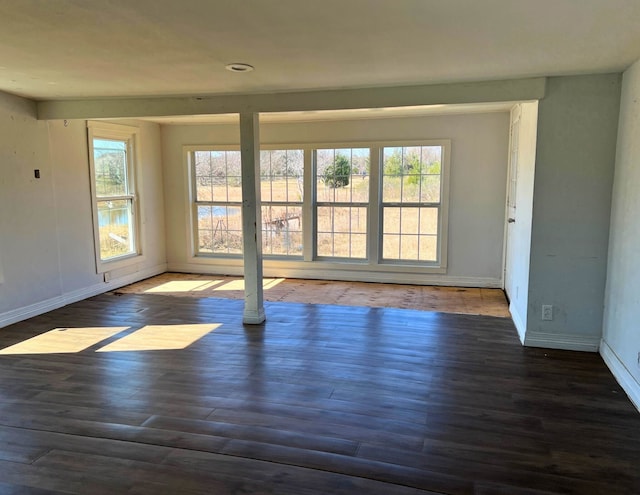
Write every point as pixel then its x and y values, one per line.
pixel 346 218
pixel 420 207
pixel 217 212
pixel 374 259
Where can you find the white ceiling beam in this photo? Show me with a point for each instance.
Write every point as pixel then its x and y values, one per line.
pixel 339 99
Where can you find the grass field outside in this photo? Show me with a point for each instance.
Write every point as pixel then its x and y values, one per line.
pixel 409 232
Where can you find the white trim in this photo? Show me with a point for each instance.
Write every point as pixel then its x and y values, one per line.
pixel 514 115
pixel 518 321
pixel 190 204
pixel 334 99
pixel 25 312
pixel 374 215
pixel 620 372
pixel 308 217
pixel 567 342
pixel 445 173
pixel 347 273
pixel 374 207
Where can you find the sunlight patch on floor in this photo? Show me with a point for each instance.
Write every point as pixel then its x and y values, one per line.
pixel 161 338
pixel 63 340
pixel 184 286
pixel 267 283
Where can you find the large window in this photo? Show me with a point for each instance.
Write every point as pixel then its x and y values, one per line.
pixel 112 159
pixel 218 201
pixel 342 200
pixel 411 202
pixel 282 191
pixel 382 205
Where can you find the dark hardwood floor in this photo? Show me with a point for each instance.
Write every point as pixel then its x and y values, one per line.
pixel 141 394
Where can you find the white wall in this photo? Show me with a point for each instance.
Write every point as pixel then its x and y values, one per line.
pixel 46 242
pixel 577 128
pixel 28 242
pixel 479 154
pixel 520 237
pixel 621 340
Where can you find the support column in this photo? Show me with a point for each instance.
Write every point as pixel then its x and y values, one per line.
pixel 251 219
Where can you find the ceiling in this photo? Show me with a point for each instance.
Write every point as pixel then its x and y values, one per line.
pixel 60 49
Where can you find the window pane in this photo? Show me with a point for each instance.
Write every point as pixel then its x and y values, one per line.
pixel 410 233
pixel 432 158
pixel 411 174
pixel 391 247
pixel 358 246
pixel 391 221
pixel 110 163
pixel 281 175
pixel 342 175
pixel 203 176
pixel 295 189
pixel 409 247
pixel 391 189
pixel 392 174
pixel 409 220
pixel 325 244
pixel 429 221
pixel 234 188
pixel 342 231
pixel 428 248
pixel 218 176
pixel 282 230
pixel 430 189
pixel 325 219
pixel 115 228
pixel 219 229
pixel 281 182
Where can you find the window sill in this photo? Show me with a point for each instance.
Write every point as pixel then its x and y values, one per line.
pixel 324 265
pixel 118 263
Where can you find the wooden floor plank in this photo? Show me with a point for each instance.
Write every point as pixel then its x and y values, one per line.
pixel 319 399
pixel 482 301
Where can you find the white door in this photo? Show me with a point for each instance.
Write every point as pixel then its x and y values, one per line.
pixel 511 202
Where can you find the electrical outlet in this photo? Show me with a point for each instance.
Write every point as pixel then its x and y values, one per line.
pixel 547 312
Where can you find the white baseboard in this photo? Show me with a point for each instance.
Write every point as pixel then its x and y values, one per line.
pixel 519 323
pixel 562 341
pixel 321 273
pixel 621 373
pixel 25 312
pixel 231 269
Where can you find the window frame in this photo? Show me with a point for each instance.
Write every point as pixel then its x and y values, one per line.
pixel 315 204
pixel 130 135
pixel 381 270
pixel 194 203
pixel 301 204
pixel 442 205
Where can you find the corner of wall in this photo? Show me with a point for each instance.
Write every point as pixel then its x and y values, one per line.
pixel 519 322
pixel 575 155
pixel 621 374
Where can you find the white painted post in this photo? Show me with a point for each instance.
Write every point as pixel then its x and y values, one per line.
pixel 251 219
